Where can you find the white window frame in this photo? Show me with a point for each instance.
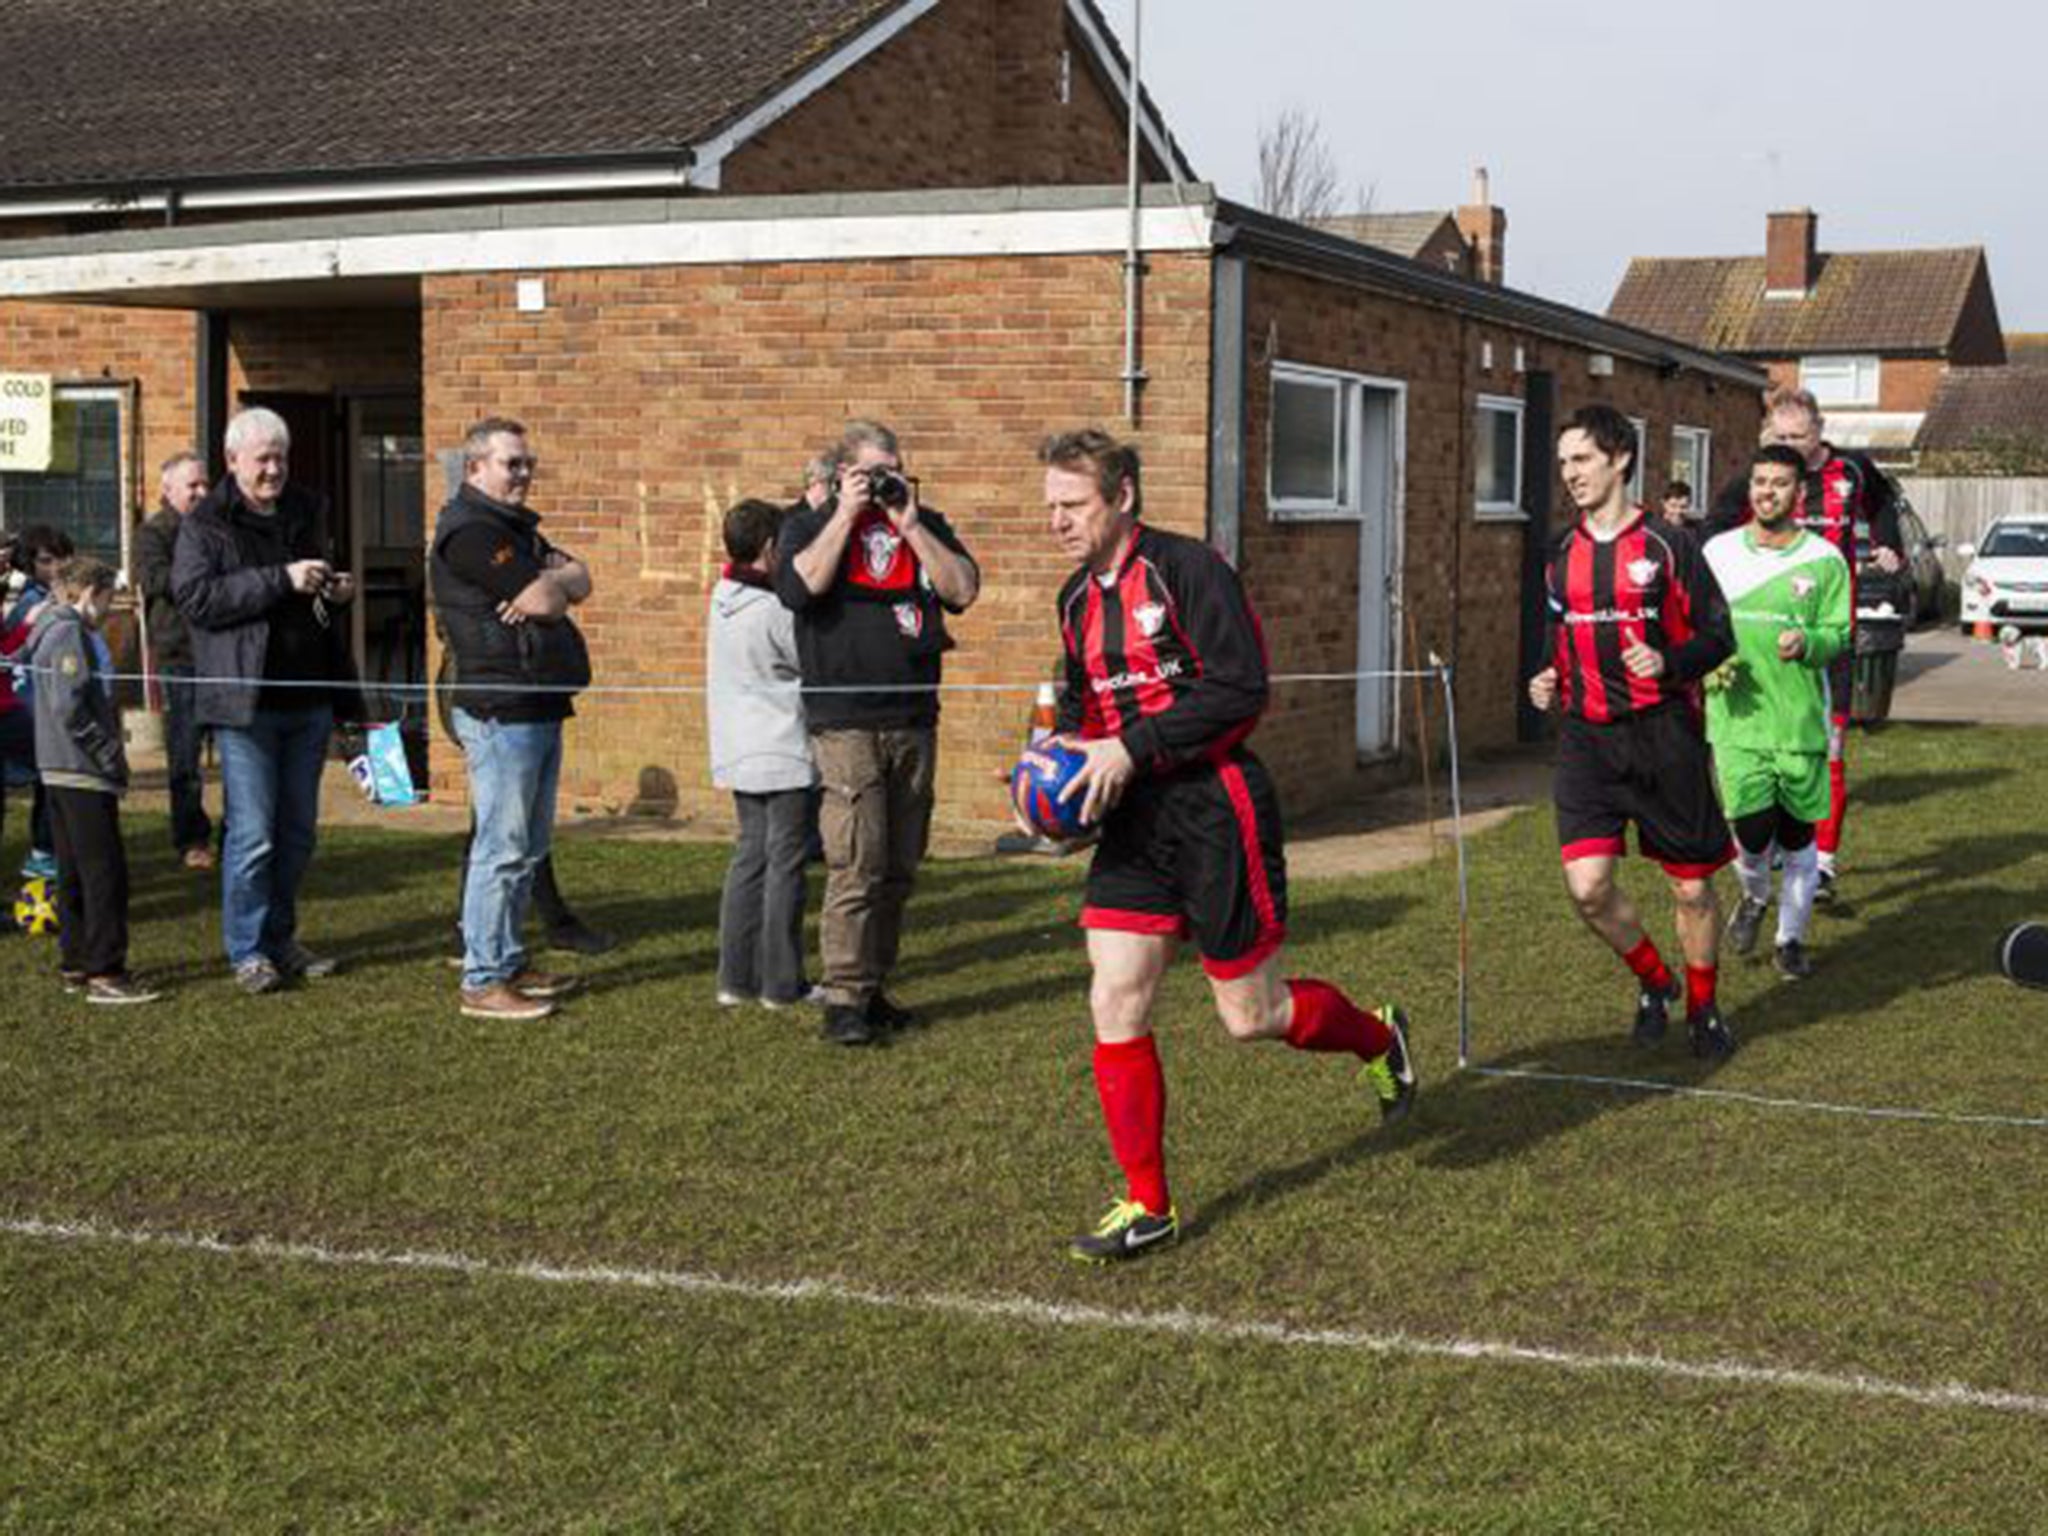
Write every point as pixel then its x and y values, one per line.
pixel 1847 379
pixel 62 393
pixel 1699 444
pixel 1346 407
pixel 1500 511
pixel 1638 475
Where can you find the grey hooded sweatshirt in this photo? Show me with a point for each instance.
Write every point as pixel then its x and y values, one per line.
pixel 78 730
pixel 759 745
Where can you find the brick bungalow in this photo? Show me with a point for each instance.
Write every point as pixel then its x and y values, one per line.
pixel 683 251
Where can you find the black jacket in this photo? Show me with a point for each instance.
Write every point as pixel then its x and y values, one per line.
pixel 170 643
pixel 500 669
pixel 228 602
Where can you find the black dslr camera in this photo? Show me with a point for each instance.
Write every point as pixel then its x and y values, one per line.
pixel 887 487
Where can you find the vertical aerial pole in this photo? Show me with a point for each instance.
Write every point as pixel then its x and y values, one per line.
pixel 1133 263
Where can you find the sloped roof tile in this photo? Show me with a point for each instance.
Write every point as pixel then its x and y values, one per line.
pixel 1976 405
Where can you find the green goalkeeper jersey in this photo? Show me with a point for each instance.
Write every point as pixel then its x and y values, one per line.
pixel 1755 700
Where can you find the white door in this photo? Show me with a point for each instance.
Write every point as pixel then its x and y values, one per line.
pixel 1382 439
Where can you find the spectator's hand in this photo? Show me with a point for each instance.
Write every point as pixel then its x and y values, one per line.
pixel 1791 644
pixel 853 492
pixel 1885 559
pixel 1543 689
pixel 508 613
pixel 1103 778
pixel 308 576
pixel 1643 660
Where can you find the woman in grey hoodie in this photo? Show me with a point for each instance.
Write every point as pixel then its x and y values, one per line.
pixel 761 752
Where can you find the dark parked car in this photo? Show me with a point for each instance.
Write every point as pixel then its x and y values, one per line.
pixel 1888 603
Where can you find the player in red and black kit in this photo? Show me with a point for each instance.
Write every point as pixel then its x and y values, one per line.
pixel 1637 620
pixel 1847 500
pixel 1165 678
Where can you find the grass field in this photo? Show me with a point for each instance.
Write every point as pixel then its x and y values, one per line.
pixel 947 1369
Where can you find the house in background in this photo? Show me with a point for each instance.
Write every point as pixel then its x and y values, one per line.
pixel 1471 241
pixel 1871 333
pixel 685 251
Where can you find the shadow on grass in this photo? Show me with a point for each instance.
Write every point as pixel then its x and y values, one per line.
pixel 1904 788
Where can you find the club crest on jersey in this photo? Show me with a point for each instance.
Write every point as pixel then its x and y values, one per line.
pixel 1802 586
pixel 1642 572
pixel 909 619
pixel 878 547
pixel 1845 487
pixel 1151 617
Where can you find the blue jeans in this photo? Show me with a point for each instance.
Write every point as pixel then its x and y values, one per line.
pixel 270 783
pixel 513 767
pixel 183 735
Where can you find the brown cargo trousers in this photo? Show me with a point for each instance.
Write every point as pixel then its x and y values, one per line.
pixel 875 821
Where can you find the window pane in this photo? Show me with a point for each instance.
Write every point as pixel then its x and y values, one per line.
pixel 1498 458
pixel 82 495
pixel 1304 441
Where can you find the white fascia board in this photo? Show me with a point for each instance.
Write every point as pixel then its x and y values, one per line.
pixel 696 242
pixel 1085 21
pixel 406 189
pixel 711 154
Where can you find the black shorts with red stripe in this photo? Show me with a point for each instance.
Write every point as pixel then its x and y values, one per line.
pixel 1197 852
pixel 1653 770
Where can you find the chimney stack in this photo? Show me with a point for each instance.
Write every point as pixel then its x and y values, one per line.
pixel 1485 229
pixel 1791 255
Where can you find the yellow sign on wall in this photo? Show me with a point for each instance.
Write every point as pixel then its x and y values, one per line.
pixel 25 412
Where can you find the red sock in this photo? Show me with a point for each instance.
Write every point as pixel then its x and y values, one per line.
pixel 1699 987
pixel 1133 1094
pixel 1829 837
pixel 1649 966
pixel 1326 1020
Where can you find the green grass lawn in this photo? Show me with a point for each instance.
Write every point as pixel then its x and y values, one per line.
pixel 150 1388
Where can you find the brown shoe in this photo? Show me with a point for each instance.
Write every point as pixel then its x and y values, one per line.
pixel 199 858
pixel 499 1001
pixel 543 984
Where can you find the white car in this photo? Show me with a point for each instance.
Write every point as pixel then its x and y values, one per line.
pixel 2007 579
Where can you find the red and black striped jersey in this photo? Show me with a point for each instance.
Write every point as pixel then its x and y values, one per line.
pixel 1164 653
pixel 1649 582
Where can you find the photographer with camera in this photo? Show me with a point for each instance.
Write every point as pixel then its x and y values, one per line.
pixel 871 576
pixel 270 647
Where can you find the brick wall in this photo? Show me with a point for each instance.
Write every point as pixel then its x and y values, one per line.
pixel 153 348
pixel 657 398
pixel 969 95
pixel 324 351
pixel 1460 576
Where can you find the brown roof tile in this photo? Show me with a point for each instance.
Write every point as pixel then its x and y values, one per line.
pixel 121 93
pixel 1862 301
pixel 1405 234
pixel 1975 407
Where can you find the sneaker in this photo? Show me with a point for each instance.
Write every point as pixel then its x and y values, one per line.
pixel 457 952
pixel 1743 926
pixel 1127 1231
pixel 116 990
pixel 886 1017
pixel 732 999
pixel 579 938
pixel 1792 962
pixel 1653 1015
pixel 41 864
pixel 1712 1039
pixel 847 1026
pixel 1392 1072
pixel 499 1001
pixel 294 959
pixel 256 975
pixel 811 997
pixel 72 981
pixel 544 985
pixel 200 858
pixel 1824 894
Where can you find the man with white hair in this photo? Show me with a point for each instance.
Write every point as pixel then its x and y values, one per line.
pixel 251 575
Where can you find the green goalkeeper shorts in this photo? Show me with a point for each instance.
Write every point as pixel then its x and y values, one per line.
pixel 1757 779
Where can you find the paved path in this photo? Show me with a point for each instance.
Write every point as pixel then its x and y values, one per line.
pixel 1945 677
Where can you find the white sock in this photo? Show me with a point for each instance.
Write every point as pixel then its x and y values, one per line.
pixel 1827 863
pixel 1795 895
pixel 1754 872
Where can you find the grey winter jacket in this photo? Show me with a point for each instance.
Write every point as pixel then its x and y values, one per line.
pixel 758 741
pixel 78 730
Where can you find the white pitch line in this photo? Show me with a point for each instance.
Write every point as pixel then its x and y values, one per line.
pixel 1767 1101
pixel 1043 1314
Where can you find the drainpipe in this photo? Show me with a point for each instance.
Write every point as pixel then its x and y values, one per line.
pixel 1134 266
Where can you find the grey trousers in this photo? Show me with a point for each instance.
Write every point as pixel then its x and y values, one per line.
pixel 761 916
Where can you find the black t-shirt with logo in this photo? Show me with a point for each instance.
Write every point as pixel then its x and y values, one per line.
pixel 878 626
